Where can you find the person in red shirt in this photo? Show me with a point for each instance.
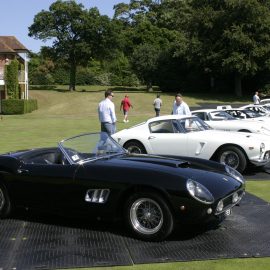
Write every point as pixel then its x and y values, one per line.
pixel 125 105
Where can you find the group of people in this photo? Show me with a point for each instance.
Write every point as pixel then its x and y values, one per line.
pixel 106 112
pixel 107 116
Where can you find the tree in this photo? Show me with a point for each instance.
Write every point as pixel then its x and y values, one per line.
pixel 144 61
pixel 11 79
pixel 78 34
pixel 229 37
pixel 145 36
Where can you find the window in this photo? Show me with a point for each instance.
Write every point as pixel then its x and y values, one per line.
pixel 161 127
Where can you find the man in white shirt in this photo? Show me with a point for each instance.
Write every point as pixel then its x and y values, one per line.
pixel 256 98
pixel 106 113
pixel 180 107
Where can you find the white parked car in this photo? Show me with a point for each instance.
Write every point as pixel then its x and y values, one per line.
pixel 261 109
pixel 248 115
pixel 265 101
pixel 219 119
pixel 190 136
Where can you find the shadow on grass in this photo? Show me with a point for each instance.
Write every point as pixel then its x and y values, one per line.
pixel 43 87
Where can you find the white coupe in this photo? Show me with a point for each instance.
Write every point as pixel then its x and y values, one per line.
pixel 190 136
pixel 261 109
pixel 219 119
pixel 248 115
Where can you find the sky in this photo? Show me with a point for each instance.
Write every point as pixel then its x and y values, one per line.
pixel 18 15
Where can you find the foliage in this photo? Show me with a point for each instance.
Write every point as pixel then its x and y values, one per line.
pixel 18 106
pixel 144 61
pixel 219 45
pixel 77 33
pixel 85 76
pixel 11 79
pixel 229 37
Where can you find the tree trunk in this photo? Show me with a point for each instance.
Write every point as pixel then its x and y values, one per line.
pixel 238 85
pixel 149 86
pixel 73 68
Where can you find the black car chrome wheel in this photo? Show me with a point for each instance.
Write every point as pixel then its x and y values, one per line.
pixel 233 157
pixel 146 216
pixel 149 217
pixel 135 147
pixel 5 206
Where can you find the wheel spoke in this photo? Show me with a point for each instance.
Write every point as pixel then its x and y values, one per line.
pixel 146 216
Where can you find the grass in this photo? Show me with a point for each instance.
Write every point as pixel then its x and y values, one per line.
pixel 62 114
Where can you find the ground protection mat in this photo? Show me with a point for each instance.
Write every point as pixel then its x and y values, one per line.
pixel 49 243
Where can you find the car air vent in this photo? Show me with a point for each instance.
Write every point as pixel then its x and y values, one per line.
pixel 97 195
pixel 185 164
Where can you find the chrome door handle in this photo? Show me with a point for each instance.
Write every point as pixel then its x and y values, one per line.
pixel 151 137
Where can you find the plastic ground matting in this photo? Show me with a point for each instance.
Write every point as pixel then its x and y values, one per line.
pixel 52 242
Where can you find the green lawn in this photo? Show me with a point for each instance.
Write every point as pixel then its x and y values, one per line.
pixel 62 114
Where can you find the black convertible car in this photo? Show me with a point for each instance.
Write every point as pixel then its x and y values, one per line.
pixel 91 175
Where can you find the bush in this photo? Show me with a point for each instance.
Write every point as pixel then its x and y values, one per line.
pixel 18 106
pixel 85 76
pixel 11 79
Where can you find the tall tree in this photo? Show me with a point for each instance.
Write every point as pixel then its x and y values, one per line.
pixel 77 33
pixel 230 37
pixel 145 37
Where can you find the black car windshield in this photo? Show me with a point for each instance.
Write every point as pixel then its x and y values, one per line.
pixel 88 147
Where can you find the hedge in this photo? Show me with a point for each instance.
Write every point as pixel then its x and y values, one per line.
pixel 18 106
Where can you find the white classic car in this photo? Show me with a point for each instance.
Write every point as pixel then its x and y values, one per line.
pixel 265 101
pixel 190 136
pixel 249 115
pixel 261 109
pixel 219 119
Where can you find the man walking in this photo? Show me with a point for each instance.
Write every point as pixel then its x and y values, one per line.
pixel 106 113
pixel 125 104
pixel 157 104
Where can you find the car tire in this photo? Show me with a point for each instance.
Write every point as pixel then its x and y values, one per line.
pixel 135 147
pixel 148 217
pixel 234 157
pixel 5 204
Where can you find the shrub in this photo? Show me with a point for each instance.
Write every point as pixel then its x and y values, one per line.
pixel 18 106
pixel 11 79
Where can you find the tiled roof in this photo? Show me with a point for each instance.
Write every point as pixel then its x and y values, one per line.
pixel 10 44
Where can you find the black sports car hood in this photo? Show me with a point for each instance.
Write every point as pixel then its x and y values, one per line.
pixel 177 162
pixel 211 174
pixel 171 162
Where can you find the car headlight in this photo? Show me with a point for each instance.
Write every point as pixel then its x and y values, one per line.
pixel 235 174
pixel 199 192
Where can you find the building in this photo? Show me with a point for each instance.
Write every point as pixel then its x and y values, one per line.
pixel 10 49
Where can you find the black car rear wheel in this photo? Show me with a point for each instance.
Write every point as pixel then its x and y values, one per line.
pixel 149 217
pixel 233 157
pixel 5 205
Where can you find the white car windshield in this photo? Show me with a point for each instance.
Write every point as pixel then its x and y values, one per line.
pixel 193 124
pixel 88 147
pixel 220 115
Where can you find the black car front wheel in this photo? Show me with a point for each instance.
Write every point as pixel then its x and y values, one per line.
pixel 234 157
pixel 149 217
pixel 5 205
